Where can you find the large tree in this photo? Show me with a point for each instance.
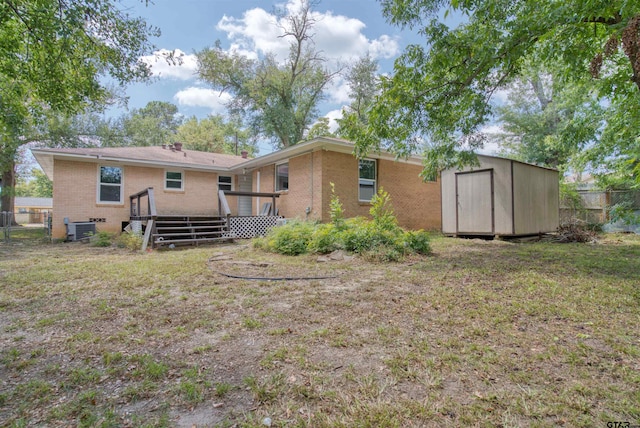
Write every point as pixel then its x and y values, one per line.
pixel 153 125
pixel 547 123
pixel 440 93
pixel 215 134
pixel 362 78
pixel 54 56
pixel 279 97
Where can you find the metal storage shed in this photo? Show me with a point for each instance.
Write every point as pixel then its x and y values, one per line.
pixel 501 197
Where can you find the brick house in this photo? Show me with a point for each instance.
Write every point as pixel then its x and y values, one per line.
pixel 95 184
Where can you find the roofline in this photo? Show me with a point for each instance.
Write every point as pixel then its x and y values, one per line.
pixel 319 143
pixel 41 154
pixel 517 161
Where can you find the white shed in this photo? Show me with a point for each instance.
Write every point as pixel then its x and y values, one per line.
pixel 501 197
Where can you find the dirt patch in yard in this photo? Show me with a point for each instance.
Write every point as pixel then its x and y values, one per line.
pixel 481 333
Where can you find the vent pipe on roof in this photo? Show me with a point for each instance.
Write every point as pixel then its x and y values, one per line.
pixel 244 154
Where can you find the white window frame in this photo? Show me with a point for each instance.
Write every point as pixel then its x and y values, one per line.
pixel 275 185
pixel 100 184
pixel 226 184
pixel 368 180
pixel 174 180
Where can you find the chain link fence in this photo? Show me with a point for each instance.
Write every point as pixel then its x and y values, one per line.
pixel 6 220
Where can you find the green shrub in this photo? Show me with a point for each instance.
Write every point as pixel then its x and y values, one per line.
pixel 325 239
pixel 382 212
pixel 418 241
pixel 132 241
pixel 103 239
pixel 358 235
pixel 290 239
pixel 336 212
pixel 380 239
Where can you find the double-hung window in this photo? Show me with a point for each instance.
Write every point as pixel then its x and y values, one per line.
pixel 225 182
pixel 110 185
pixel 282 176
pixel 173 180
pixel 366 179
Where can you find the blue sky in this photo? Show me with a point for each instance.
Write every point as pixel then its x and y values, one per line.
pixel 344 31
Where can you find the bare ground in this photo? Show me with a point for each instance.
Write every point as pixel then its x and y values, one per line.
pixel 481 333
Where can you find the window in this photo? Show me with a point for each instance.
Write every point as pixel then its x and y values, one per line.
pixel 282 176
pixel 173 180
pixel 110 185
pixel 366 179
pixel 225 182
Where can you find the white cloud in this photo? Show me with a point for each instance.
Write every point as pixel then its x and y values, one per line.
pixel 338 37
pixel 172 64
pixel 491 146
pixel 333 115
pixel 202 97
pixel 338 91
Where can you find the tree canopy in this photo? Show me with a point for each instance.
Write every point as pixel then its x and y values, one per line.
pixel 547 123
pixel 153 125
pixel 215 134
pixel 54 55
pixel 279 97
pixel 441 91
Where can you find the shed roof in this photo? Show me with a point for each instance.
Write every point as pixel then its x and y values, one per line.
pixel 23 201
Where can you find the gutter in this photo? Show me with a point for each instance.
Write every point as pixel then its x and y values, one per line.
pixel 123 161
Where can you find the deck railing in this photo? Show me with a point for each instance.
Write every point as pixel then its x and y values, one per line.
pixel 223 208
pixel 135 206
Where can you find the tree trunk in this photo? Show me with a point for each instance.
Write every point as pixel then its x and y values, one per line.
pixel 631 46
pixel 8 188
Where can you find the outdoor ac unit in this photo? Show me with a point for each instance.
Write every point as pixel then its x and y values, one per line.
pixel 80 230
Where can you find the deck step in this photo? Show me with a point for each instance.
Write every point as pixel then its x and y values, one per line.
pixel 198 223
pixel 217 232
pixel 184 230
pixel 190 241
pixel 192 228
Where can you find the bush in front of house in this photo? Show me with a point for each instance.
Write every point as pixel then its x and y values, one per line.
pixel 377 239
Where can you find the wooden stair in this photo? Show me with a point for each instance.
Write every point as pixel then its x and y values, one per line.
pixel 189 230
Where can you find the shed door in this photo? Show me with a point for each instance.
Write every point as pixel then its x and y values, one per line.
pixel 474 202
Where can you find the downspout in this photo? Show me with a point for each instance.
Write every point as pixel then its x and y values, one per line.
pixel 310 209
pixel 258 190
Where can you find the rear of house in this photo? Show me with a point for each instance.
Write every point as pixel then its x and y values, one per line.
pixel 94 185
pixel 303 174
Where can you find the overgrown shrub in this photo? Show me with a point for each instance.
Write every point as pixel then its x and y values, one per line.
pixel 290 239
pixel 336 212
pixel 418 241
pixel 132 241
pixel 325 239
pixel 382 212
pixel 379 239
pixel 102 239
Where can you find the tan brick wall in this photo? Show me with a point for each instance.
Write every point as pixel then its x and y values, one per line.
pixel 75 195
pixel 341 169
pixel 416 204
pixel 305 187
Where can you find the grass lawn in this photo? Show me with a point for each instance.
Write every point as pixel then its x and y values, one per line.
pixel 481 333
